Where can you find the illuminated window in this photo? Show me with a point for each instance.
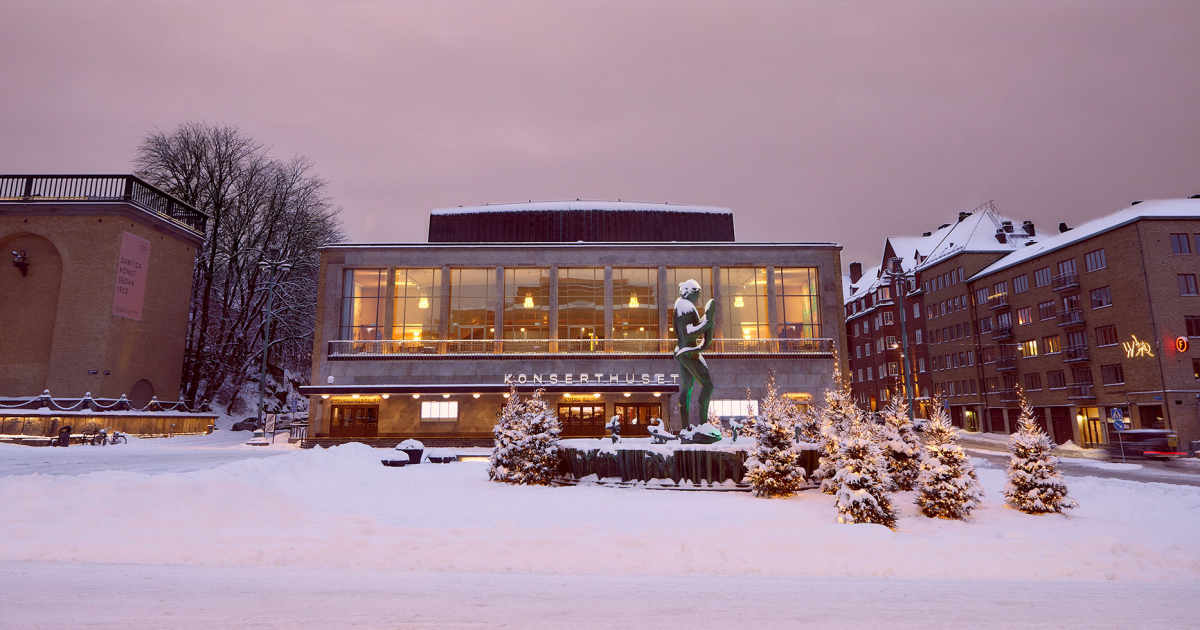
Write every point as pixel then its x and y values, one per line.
pixel 417 306
pixel 439 410
pixel 527 303
pixel 1051 344
pixel 1029 348
pixel 744 303
pixel 472 304
pixel 703 275
pixel 581 304
pixel 735 409
pixel 1024 316
pixel 635 303
pixel 364 293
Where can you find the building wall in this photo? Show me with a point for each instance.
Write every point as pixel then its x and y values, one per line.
pixel 66 302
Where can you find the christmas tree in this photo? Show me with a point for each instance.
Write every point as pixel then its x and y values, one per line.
pixel 507 432
pixel 1034 484
pixel 808 426
pixel 946 485
pixel 862 479
pixel 837 416
pixel 774 471
pixel 536 448
pixel 900 444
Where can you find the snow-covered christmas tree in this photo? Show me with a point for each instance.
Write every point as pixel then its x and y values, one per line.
pixel 862 478
pixel 508 431
pixel 946 485
pixel 1035 485
pixel 837 416
pixel 808 426
pixel 900 444
pixel 774 470
pixel 537 447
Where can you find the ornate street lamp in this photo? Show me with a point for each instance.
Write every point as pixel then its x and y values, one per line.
pixel 275 270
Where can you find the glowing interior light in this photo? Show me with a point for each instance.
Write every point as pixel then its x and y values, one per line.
pixel 746 333
pixel 528 300
pixel 416 395
pixel 474 395
pixel 738 302
pixel 633 301
pixel 423 303
pixel 445 395
pixel 385 396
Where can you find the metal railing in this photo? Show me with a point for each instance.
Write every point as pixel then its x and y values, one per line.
pixel 1008 394
pixel 1006 363
pixel 89 188
pixel 1075 353
pixel 1081 391
pixel 1004 332
pixel 999 300
pixel 1065 281
pixel 1073 317
pixel 390 348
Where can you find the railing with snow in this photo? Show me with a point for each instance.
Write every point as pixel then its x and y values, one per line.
pixel 399 349
pixel 84 188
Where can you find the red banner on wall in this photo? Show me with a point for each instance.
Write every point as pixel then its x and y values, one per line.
pixel 131 277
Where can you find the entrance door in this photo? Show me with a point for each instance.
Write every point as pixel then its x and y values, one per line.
pixel 956 416
pixel 997 420
pixel 635 417
pixel 1039 414
pixel 354 421
pixel 1152 416
pixel 1060 417
pixel 581 420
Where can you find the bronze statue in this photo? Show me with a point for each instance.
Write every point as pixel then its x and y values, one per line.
pixel 693 334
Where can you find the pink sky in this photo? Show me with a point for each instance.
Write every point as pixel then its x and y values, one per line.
pixel 814 120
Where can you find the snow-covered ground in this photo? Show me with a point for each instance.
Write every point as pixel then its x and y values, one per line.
pixel 183 525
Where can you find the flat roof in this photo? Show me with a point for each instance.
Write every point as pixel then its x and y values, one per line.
pixel 585 245
pixel 581 204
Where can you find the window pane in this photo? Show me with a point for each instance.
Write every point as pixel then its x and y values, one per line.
pixel 744 303
pixel 364 292
pixel 472 303
pixel 797 304
pixel 581 304
pixel 527 303
pixel 635 304
pixel 417 305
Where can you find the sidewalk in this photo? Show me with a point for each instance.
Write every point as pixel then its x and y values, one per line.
pixel 999 443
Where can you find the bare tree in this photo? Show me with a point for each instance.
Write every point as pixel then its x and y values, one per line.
pixel 261 207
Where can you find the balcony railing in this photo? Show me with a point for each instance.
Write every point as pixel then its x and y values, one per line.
pixel 1008 394
pixel 999 333
pixel 1000 300
pixel 1065 281
pixel 1073 317
pixel 1072 354
pixel 1081 391
pixel 1005 364
pixel 91 188
pixel 401 349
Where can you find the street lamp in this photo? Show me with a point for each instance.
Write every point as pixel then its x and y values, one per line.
pixel 897 271
pixel 275 270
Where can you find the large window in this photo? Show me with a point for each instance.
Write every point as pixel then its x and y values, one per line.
pixel 798 303
pixel 364 292
pixel 744 303
pixel 527 303
pixel 678 275
pixel 472 304
pixel 739 409
pixel 635 304
pixel 417 307
pixel 439 411
pixel 581 303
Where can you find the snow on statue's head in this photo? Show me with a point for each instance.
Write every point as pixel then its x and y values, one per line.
pixel 688 288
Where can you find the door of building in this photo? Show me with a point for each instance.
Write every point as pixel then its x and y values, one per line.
pixel 1039 415
pixel 996 417
pixel 1152 416
pixel 956 416
pixel 635 417
pixel 1060 417
pixel 354 421
pixel 581 420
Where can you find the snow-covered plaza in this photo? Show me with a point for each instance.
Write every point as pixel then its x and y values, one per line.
pixel 202 531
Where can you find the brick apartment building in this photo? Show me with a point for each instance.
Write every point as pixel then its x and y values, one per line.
pixel 1090 320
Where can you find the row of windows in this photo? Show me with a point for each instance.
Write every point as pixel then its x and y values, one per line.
pixel 1081 378
pixel 580 302
pixel 950 278
pixel 956 303
pixel 1181 243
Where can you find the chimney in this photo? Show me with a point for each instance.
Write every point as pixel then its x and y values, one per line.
pixel 1001 236
pixel 943 226
pixel 1062 227
pixel 1135 203
pixel 926 233
pixel 962 216
pixel 1008 228
pixel 855 272
pixel 1028 227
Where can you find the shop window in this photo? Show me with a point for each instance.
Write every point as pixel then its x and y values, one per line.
pixel 417 305
pixel 581 304
pixel 439 410
pixel 1106 335
pixel 798 303
pixel 1095 261
pixel 527 303
pixel 635 304
pixel 364 293
pixel 1020 283
pixel 1112 374
pixel 1187 284
pixel 744 303
pixel 1041 277
pixel 1180 244
pixel 1101 297
pixel 472 304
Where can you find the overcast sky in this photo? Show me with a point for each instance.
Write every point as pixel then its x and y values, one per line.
pixel 819 120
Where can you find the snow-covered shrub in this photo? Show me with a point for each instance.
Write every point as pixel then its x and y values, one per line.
pixel 837 416
pixel 773 470
pixel 537 447
pixel 946 485
pixel 1035 485
pixel 508 431
pixel 862 479
pixel 900 444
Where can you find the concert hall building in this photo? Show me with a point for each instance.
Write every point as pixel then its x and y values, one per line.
pixel 425 340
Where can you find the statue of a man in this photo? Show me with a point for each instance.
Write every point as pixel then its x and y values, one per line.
pixel 693 334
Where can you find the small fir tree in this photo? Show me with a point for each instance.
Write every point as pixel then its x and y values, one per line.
pixel 946 485
pixel 862 479
pixel 837 416
pixel 774 472
pixel 537 460
pixel 900 444
pixel 1035 485
pixel 808 426
pixel 507 432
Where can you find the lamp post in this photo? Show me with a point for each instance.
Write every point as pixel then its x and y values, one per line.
pixel 898 272
pixel 275 270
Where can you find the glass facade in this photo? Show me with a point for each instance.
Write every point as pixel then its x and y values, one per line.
pixel 364 293
pixel 527 303
pixel 798 303
pixel 417 305
pixel 744 303
pixel 472 304
pixel 581 303
pixel 678 275
pixel 635 303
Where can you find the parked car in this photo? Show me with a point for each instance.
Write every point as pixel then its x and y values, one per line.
pixel 249 424
pixel 1147 443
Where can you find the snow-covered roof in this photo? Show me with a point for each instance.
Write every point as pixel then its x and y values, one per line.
pixel 582 204
pixel 977 233
pixel 866 284
pixel 1153 209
